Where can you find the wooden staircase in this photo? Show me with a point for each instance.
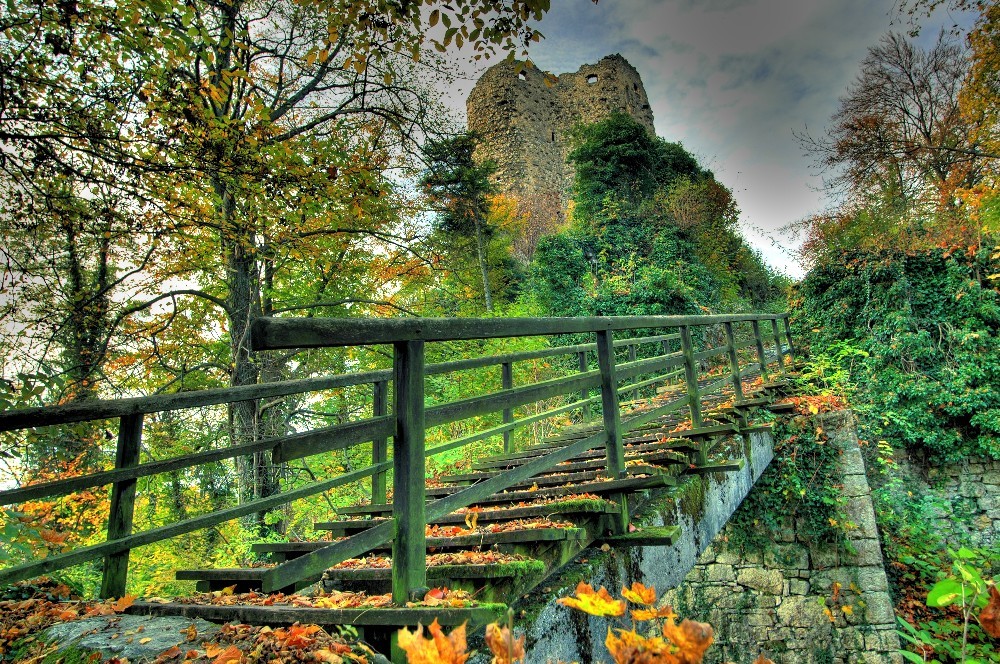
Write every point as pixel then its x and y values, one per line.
pixel 489 533
pixel 535 526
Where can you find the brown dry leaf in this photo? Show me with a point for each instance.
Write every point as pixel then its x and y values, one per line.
pixel 502 644
pixel 692 638
pixel 989 618
pixel 123 603
pixel 439 649
pixel 231 655
pixel 640 594
pixel 190 633
pixel 599 603
pixel 471 518
pixel 762 660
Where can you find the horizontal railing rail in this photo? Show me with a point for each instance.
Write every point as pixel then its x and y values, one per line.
pixel 405 417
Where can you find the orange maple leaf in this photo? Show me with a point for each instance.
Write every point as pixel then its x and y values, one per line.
pixel 439 649
pixel 599 603
pixel 640 594
pixel 296 636
pixel 762 660
pixel 989 618
pixel 123 603
pixel 231 655
pixel 691 638
pixel 502 644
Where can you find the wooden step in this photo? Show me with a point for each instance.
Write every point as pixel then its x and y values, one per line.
pixel 658 458
pixel 651 536
pixel 558 479
pixel 716 467
pixel 393 617
pixel 609 486
pixel 569 510
pixel 289 550
pixel 676 444
pixel 246 579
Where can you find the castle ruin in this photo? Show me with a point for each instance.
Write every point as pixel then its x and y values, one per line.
pixel 523 117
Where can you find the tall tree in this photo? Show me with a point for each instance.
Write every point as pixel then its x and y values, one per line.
pixel 263 130
pixel 457 189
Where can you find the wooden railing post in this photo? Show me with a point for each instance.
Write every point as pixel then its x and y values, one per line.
pixel 584 394
pixel 759 342
pixel 115 578
pixel 691 378
pixel 380 446
pixel 777 345
pixel 507 380
pixel 734 362
pixel 409 565
pixel 631 358
pixel 611 412
pixel 788 336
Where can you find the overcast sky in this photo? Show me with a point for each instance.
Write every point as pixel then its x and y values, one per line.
pixel 731 80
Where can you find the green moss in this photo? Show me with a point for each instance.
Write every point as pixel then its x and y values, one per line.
pixel 692 497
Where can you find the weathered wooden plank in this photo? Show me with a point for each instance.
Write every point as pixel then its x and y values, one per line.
pixel 734 362
pixel 761 355
pixel 649 536
pixel 507 383
pixel 565 509
pixel 94 551
pixel 352 430
pixel 717 467
pixel 709 354
pixel 276 333
pixel 380 444
pixel 777 345
pixel 289 615
pixel 457 542
pixel 330 439
pixel 310 567
pixel 107 409
pixel 518 396
pixel 409 548
pixel 611 412
pixel 493 431
pixel 122 509
pixel 439 573
pixel 581 358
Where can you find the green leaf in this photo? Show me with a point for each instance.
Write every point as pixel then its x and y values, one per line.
pixel 911 656
pixel 944 593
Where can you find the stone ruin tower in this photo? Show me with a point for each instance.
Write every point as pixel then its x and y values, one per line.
pixel 523 119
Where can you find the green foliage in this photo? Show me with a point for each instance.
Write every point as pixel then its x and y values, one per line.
pixel 927 355
pixel 799 488
pixel 651 233
pixel 957 636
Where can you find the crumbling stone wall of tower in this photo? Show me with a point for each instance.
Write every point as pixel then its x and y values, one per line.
pixel 524 118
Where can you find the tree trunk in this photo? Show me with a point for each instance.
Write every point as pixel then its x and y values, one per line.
pixel 481 252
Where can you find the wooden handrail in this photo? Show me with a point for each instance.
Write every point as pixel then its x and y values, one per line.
pixel 405 421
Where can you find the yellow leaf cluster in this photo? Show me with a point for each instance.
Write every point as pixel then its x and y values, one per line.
pixel 438 649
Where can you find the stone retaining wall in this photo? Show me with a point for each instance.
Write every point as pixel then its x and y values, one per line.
pixel 796 601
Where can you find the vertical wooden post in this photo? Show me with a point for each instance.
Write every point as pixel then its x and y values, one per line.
pixel 115 577
pixel 611 412
pixel 631 358
pixel 777 345
pixel 507 380
pixel 409 547
pixel 761 357
pixel 666 351
pixel 734 361
pixel 788 336
pixel 691 378
pixel 584 394
pixel 380 446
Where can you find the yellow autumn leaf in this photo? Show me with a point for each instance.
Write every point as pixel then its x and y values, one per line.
pixel 438 649
pixel 599 603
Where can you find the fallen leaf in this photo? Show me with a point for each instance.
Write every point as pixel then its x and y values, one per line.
pixel 123 603
pixel 505 648
pixel 599 603
pixel 439 649
pixel 989 618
